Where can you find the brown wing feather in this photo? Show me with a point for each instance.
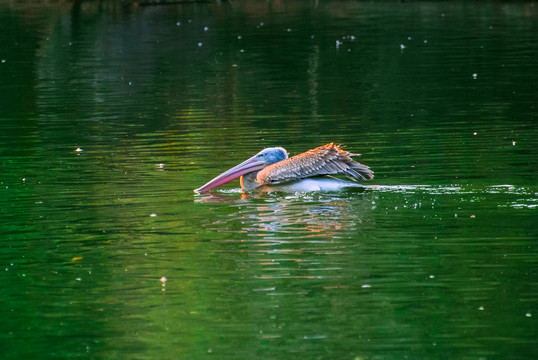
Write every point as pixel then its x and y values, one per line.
pixel 324 160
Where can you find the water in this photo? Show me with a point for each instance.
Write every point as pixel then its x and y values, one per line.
pixel 111 115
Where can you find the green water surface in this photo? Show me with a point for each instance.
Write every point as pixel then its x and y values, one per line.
pixel 111 113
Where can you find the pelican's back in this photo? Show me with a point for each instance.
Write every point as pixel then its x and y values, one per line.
pixel 328 159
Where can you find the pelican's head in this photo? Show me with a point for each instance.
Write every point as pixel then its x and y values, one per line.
pixel 262 159
pixel 271 156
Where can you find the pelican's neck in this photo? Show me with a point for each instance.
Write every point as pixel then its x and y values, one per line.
pixel 248 181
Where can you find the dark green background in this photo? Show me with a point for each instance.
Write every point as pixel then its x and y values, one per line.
pixel 438 261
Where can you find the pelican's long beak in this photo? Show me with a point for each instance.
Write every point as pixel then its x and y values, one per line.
pixel 247 166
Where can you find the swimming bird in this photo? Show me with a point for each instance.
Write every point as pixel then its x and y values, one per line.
pixel 272 170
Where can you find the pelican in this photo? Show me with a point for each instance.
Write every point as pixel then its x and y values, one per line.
pixel 272 170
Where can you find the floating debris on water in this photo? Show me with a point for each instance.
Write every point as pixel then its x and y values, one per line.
pixel 79 150
pixel 475 75
pixel 178 23
pixel 265 289
pixel 402 46
pixel 206 28
pixel 200 44
pixel 153 215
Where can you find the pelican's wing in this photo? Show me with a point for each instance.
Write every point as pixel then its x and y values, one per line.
pixel 324 160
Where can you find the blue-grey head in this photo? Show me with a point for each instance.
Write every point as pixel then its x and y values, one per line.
pixel 271 156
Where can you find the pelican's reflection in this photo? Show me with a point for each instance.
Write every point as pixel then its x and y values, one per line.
pixel 296 218
pixel 275 237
